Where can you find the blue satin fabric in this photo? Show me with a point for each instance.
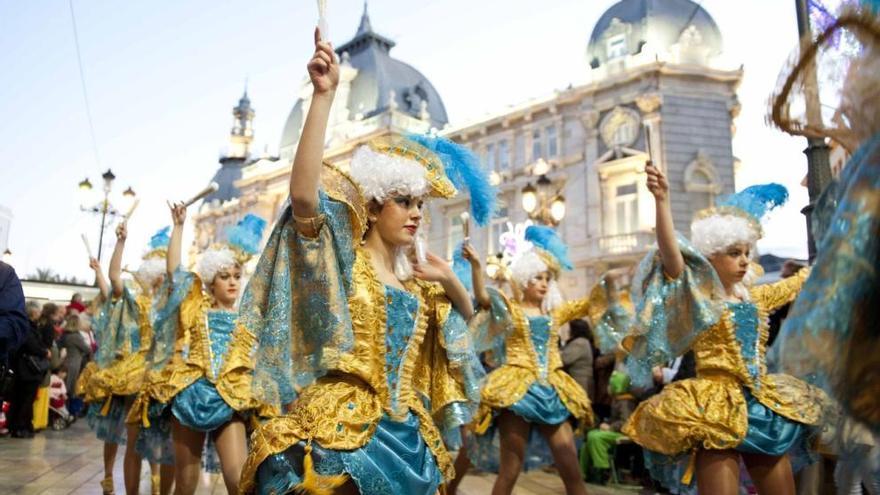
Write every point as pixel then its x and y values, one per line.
pixel 394 461
pixel 768 433
pixel 200 407
pixel 541 405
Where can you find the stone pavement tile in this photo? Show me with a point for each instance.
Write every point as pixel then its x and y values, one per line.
pixel 57 491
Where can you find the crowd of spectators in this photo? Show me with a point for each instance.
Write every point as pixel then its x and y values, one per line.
pixel 43 350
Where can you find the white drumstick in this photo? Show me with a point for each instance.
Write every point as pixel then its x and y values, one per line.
pixel 466 226
pixel 88 247
pixel 322 20
pixel 131 210
pixel 212 187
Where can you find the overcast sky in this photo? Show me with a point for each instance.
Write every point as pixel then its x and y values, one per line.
pixel 162 78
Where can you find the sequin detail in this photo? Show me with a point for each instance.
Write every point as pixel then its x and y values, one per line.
pixel 220 327
pixel 539 332
pixel 745 320
pixel 402 308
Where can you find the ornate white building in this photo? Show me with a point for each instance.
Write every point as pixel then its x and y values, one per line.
pixel 654 65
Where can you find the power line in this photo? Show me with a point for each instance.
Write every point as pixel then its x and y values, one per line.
pixel 82 80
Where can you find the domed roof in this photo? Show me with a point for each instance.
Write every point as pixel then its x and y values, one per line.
pixel 377 76
pixel 659 23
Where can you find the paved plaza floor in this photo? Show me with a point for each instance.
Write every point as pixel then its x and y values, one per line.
pixel 69 462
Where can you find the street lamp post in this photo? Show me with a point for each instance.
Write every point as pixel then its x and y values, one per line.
pixel 817 151
pixel 104 207
pixel 542 202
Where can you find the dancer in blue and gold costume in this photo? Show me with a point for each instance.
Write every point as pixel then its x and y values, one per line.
pixel 108 428
pixel 125 377
pixel 696 295
pixel 831 337
pixel 378 340
pixel 193 380
pixel 529 388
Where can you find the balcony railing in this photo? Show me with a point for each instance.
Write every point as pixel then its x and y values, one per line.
pixel 622 244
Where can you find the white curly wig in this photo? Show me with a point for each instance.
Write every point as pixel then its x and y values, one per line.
pixel 150 271
pixel 213 261
pixel 715 233
pixel 526 267
pixel 381 175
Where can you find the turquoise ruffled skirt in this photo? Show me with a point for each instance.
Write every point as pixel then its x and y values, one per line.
pixel 199 407
pixel 768 434
pixel 541 405
pixel 394 461
pixel 109 428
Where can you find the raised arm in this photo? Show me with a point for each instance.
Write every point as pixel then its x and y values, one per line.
pixel 480 293
pixel 306 171
pixel 670 254
pixel 103 287
pixel 175 244
pixel 116 260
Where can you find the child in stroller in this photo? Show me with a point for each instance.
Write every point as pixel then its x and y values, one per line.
pixel 59 417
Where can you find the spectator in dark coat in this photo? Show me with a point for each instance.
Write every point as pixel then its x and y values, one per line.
pixel 577 356
pixel 31 365
pixel 13 319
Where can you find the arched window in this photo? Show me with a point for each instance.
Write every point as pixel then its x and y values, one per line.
pixel 701 182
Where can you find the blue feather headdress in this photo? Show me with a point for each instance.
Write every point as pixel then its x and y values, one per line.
pixel 737 218
pixel 463 169
pixel 158 244
pixel 757 201
pixel 247 236
pixel 752 203
pixel 547 240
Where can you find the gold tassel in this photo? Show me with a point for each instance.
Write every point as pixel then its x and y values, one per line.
pixel 689 472
pixel 145 420
pixel 313 483
pixel 484 423
pixel 105 409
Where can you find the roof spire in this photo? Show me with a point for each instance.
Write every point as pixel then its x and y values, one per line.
pixel 366 26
